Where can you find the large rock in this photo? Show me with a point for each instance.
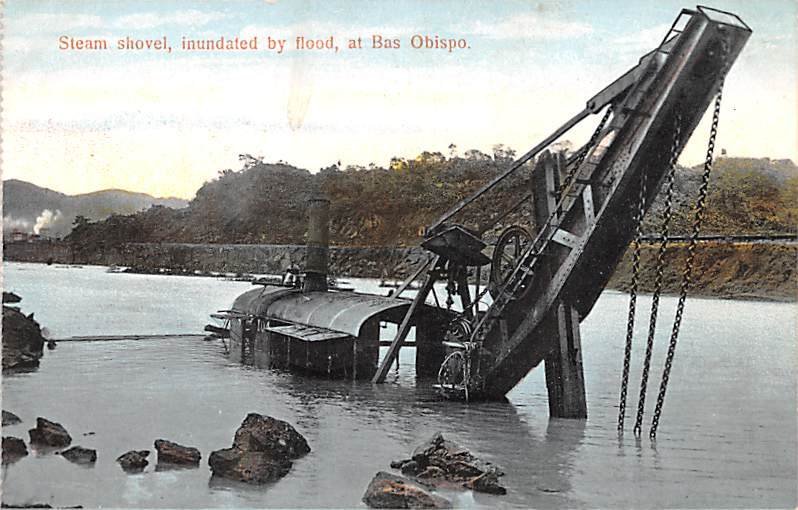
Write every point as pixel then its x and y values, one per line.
pixel 10 418
pixel 49 433
pixel 391 491
pixel 262 451
pixel 13 449
pixel 248 466
pixel 280 439
pixel 80 455
pixel 23 343
pixel 176 454
pixel 10 297
pixel 134 461
pixel 443 462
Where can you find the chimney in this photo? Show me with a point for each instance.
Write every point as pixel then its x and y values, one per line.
pixel 318 244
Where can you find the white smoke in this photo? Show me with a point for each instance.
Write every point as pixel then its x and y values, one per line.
pixel 11 224
pixel 46 220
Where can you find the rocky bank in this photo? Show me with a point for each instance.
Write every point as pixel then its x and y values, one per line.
pixel 23 343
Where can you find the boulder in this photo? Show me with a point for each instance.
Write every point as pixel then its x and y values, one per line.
pixel 173 453
pixel 10 418
pixel 23 343
pixel 391 491
pixel 443 462
pixel 280 439
pixel 486 482
pixel 262 450
pixel 13 449
pixel 133 461
pixel 248 466
pixel 80 455
pixel 48 433
pixel 10 297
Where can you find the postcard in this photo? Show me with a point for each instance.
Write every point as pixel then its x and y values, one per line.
pixel 352 254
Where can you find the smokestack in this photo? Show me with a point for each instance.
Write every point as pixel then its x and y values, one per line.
pixel 318 244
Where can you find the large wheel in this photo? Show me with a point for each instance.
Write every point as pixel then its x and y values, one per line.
pixel 511 245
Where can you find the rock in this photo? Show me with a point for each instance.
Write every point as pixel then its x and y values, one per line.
pixel 411 468
pixel 440 462
pixel 80 455
pixel 10 418
pixel 23 343
pixel 262 450
pixel 266 434
pixel 48 433
pixel 248 466
pixel 173 453
pixel 133 461
pixel 432 472
pixel 13 449
pixel 486 482
pixel 391 491
pixel 10 297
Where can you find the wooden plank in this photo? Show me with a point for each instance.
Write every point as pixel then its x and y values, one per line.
pixel 403 330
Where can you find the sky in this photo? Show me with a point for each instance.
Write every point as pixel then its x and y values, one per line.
pixel 164 123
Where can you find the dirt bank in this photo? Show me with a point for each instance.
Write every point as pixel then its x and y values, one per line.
pixel 722 269
pixel 725 270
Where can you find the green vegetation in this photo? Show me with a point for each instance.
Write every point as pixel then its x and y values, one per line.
pixel 376 206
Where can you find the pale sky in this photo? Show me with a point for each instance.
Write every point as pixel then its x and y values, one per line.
pixel 164 123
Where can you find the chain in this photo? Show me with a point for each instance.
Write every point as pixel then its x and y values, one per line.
pixel 667 213
pixel 513 282
pixel 630 323
pixel 688 266
pixel 521 273
pixel 580 158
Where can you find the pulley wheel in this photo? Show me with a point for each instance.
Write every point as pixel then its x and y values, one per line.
pixel 510 247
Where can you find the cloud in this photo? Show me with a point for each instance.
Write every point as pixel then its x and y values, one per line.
pixel 58 22
pixel 529 26
pixel 323 29
pixel 147 20
pixel 642 40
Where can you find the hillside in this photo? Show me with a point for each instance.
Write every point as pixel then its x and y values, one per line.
pixel 375 206
pixel 25 206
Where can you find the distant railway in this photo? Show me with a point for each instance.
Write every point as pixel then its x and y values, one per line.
pixel 755 239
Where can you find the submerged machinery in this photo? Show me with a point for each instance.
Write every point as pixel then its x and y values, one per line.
pixel 586 209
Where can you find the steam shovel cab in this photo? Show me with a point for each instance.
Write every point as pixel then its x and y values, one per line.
pixel 313 329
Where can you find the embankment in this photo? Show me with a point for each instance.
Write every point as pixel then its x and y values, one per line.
pixel 721 269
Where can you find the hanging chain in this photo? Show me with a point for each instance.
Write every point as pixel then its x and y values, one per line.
pixel 688 266
pixel 630 323
pixel 509 288
pixel 667 213
pixel 580 158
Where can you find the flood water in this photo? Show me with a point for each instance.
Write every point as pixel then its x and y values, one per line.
pixel 727 436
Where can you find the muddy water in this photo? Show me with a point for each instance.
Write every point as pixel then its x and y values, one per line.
pixel 727 439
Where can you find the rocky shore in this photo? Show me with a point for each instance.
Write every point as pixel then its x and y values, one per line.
pixel 23 343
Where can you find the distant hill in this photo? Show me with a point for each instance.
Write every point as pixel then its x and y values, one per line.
pixel 30 208
pixel 375 206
